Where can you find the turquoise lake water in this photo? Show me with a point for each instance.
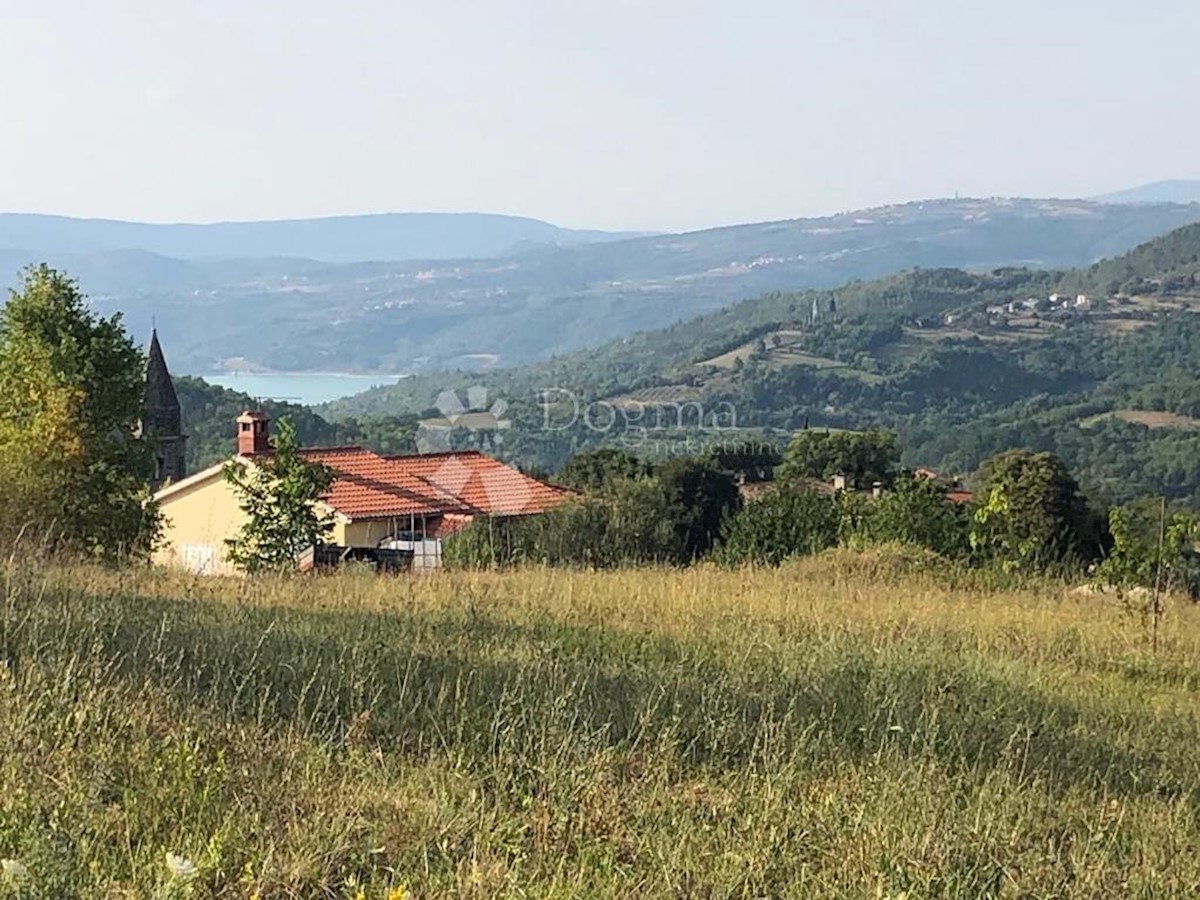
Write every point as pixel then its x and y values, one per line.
pixel 309 388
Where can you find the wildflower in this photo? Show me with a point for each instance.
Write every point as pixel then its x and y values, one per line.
pixel 400 892
pixel 180 867
pixel 13 871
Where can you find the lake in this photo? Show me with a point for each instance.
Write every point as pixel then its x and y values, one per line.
pixel 309 388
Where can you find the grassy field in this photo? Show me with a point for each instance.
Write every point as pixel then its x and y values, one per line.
pixel 831 729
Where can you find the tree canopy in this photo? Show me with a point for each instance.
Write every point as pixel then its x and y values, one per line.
pixel 72 467
pixel 1031 513
pixel 863 457
pixel 279 493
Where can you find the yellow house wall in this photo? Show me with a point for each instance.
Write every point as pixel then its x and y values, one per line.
pixel 198 520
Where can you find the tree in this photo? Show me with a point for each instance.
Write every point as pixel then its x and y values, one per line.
pixel 71 464
pixel 752 460
pixel 597 470
pixel 279 494
pixel 1032 514
pixel 916 511
pixel 700 495
pixel 782 523
pixel 863 457
pixel 1152 547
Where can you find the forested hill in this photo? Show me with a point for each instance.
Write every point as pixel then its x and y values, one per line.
pixel 1098 364
pixel 209 412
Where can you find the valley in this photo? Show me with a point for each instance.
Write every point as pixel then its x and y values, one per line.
pixel 304 315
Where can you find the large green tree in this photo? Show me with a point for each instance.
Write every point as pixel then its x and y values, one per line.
pixel 279 493
pixel 700 495
pixel 72 469
pixel 598 470
pixel 1031 514
pixel 863 457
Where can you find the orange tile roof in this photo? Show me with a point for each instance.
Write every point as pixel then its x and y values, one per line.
pixel 483 485
pixel 370 486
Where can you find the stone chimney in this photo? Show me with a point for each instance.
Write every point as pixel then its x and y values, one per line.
pixel 253 433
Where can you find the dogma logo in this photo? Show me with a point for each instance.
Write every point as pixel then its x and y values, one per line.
pixel 476 416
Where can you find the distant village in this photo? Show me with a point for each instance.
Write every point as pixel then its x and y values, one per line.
pixel 1060 309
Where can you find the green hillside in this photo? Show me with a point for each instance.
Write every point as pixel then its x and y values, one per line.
pixel 209 412
pixel 961 364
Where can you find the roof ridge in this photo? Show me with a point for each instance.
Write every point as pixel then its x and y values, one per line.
pixel 438 453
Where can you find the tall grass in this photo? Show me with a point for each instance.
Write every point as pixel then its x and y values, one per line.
pixel 832 728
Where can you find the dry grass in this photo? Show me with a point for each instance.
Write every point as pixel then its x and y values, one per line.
pixel 834 728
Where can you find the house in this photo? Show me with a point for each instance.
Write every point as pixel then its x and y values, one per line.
pixel 840 483
pixel 408 503
pixel 955 492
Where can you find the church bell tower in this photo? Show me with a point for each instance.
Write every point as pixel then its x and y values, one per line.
pixel 162 418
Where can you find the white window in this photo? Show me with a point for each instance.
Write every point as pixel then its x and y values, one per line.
pixel 200 559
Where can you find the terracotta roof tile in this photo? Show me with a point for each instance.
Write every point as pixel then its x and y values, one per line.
pixel 483 485
pixel 370 486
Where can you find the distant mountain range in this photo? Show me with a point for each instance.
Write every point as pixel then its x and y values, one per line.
pixel 548 297
pixel 386 237
pixel 1179 191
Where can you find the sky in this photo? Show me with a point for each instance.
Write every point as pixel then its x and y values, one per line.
pixel 635 114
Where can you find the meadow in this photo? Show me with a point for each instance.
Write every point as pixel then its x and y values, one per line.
pixel 839 727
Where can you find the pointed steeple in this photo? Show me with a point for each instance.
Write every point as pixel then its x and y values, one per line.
pixel 162 417
pixel 160 405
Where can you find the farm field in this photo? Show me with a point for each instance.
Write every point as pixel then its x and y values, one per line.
pixel 1147 417
pixel 784 350
pixel 839 727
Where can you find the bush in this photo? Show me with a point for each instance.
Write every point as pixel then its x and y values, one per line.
pixel 781 524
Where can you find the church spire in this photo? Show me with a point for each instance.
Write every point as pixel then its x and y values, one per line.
pixel 162 417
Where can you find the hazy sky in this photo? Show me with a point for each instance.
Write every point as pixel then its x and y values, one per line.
pixel 608 113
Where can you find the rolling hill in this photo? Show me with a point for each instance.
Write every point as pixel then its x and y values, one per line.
pixel 304 315
pixel 387 236
pixel 1176 191
pixel 961 364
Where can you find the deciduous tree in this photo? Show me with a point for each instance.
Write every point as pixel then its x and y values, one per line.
pixel 279 494
pixel 72 468
pixel 862 456
pixel 1031 514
